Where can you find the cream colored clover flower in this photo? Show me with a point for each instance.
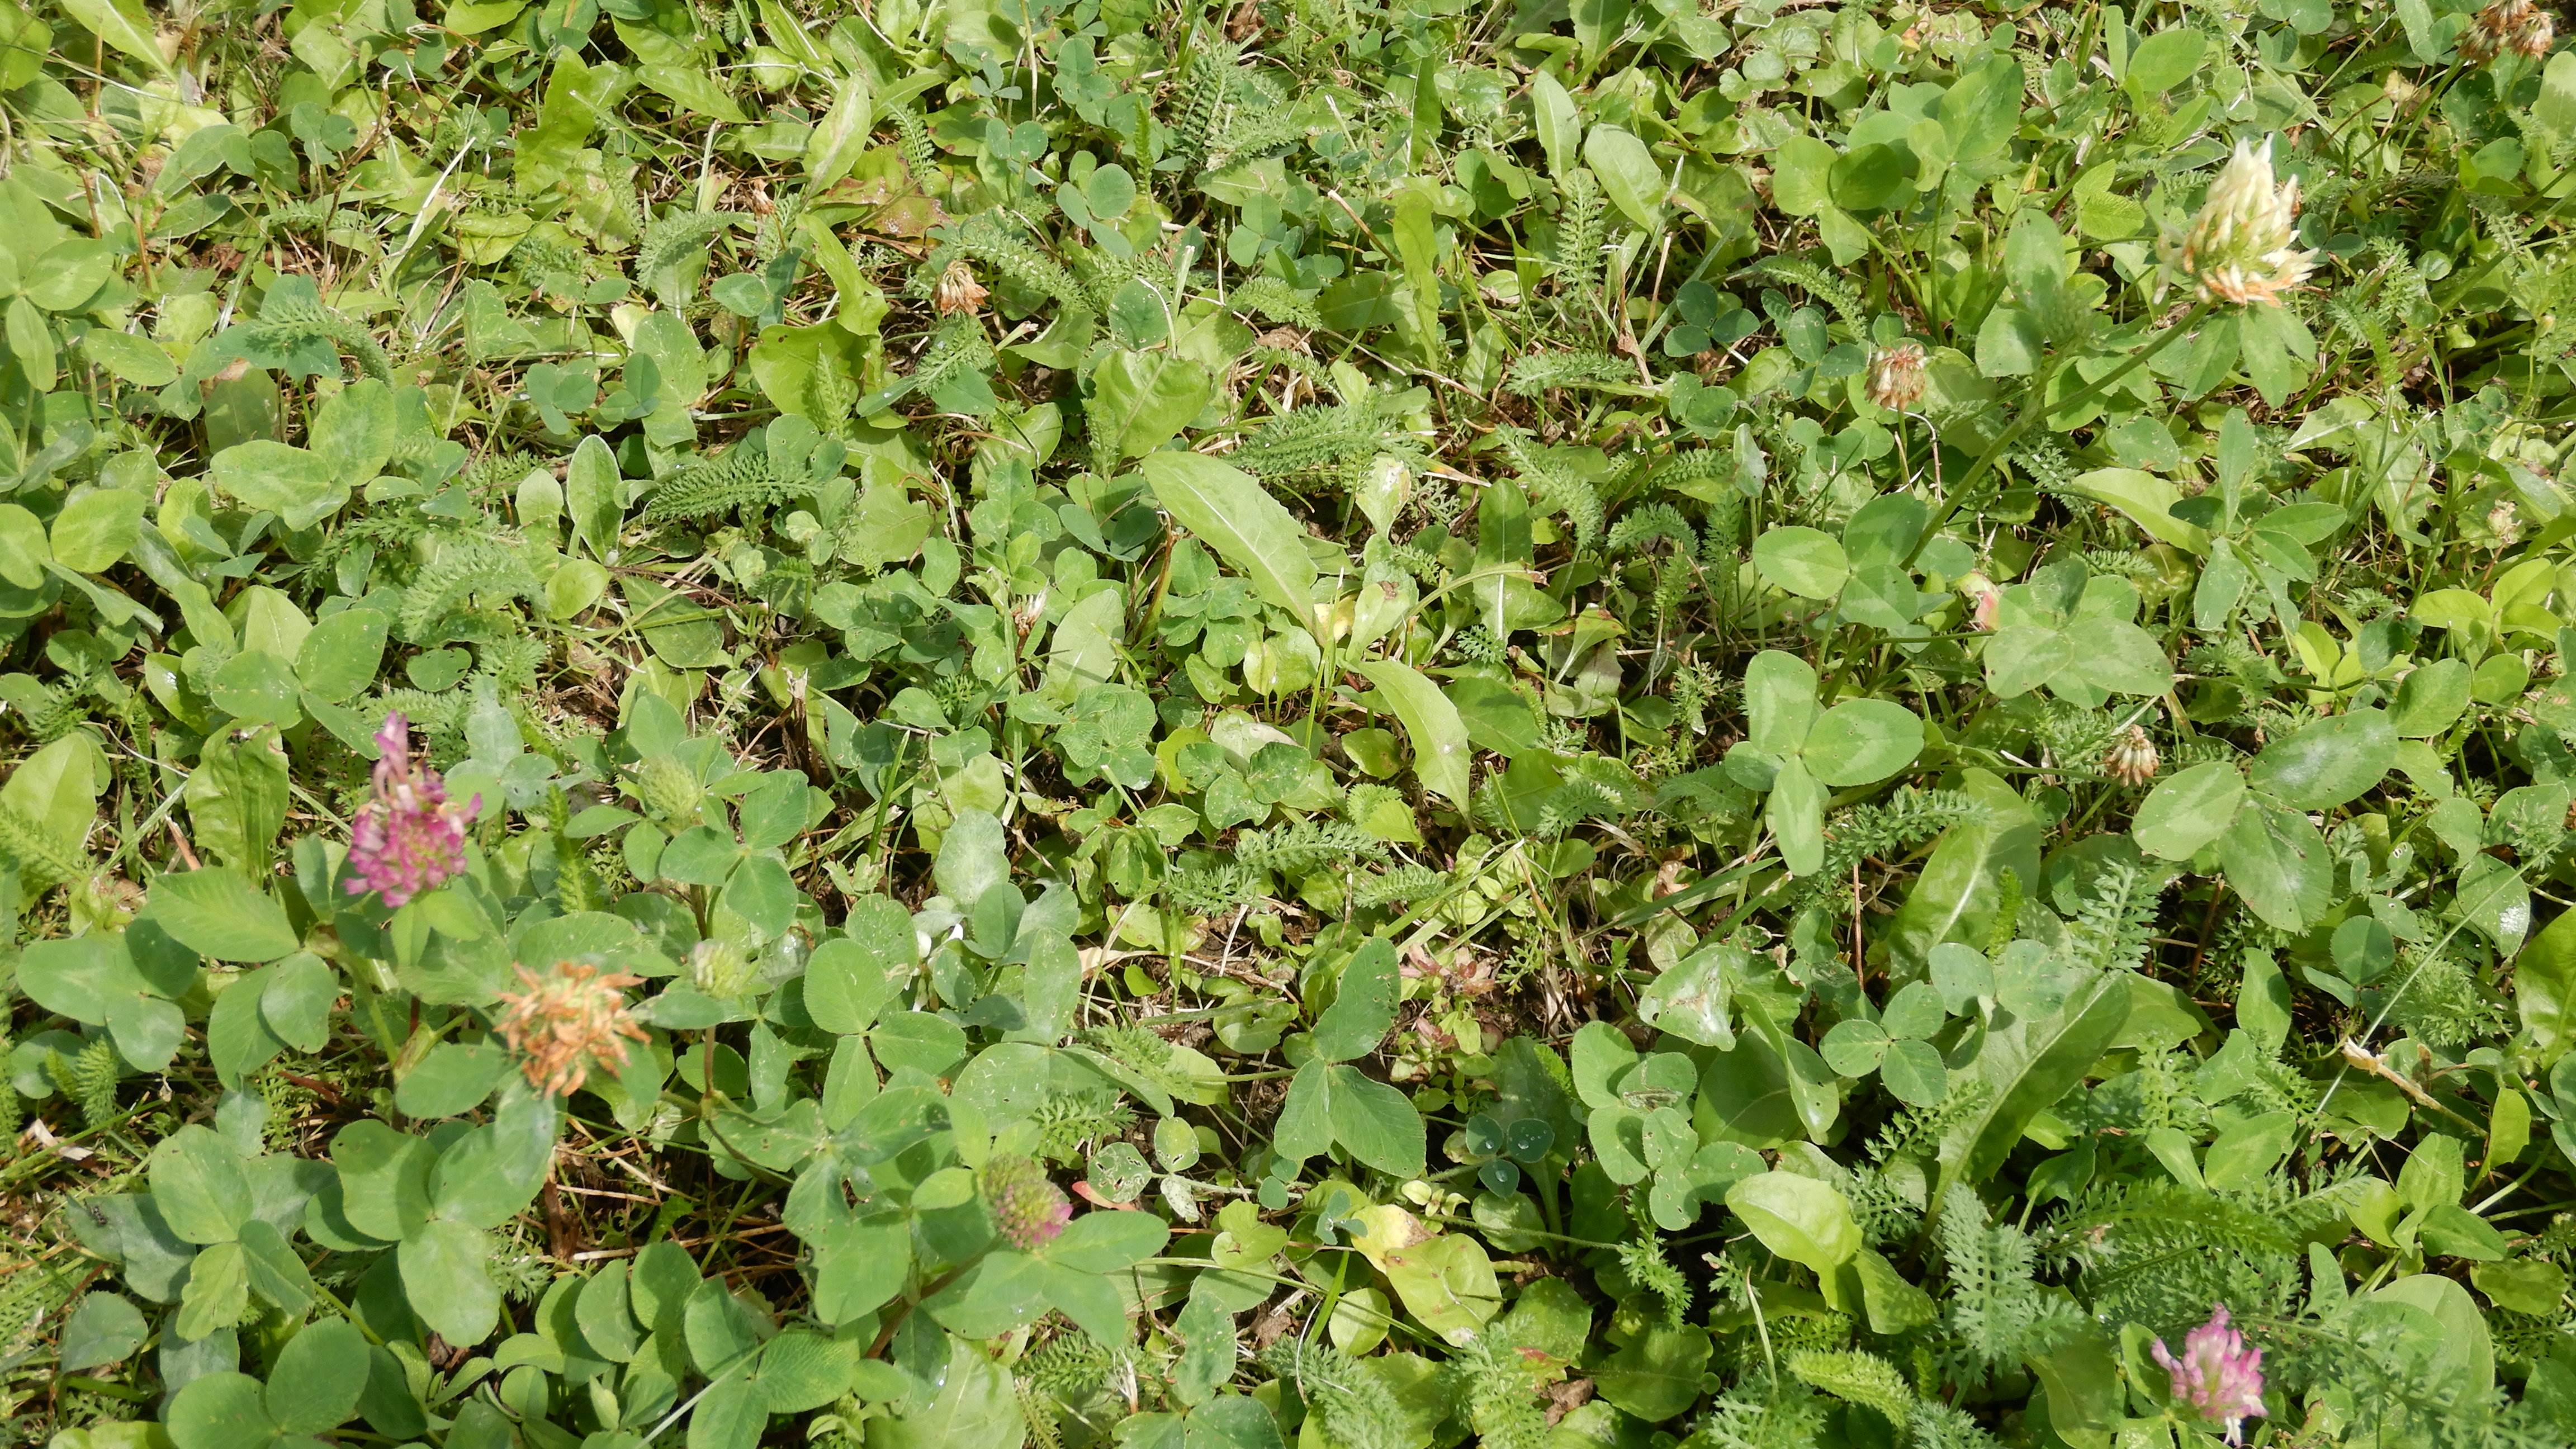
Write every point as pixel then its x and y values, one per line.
pixel 2239 249
pixel 1896 376
pixel 958 291
pixel 2131 760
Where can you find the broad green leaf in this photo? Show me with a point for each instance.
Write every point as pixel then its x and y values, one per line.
pixel 217 1293
pixel 2026 1065
pixel 2492 897
pixel 2116 655
pixel 1560 127
pixel 355 431
pixel 96 528
pixel 1779 701
pixel 444 1277
pixel 1982 109
pixel 1447 1282
pixel 974 858
pixel 848 983
pixel 2278 862
pixel 1689 1000
pixel 1872 177
pixel 596 497
pixel 1796 815
pixel 1104 1242
pixel 340 657
pixel 1799 172
pixel 858 1267
pixel 1861 742
pixel 220 1411
pixel 2544 985
pixel 1363 1005
pixel 1657 1375
pixel 2147 500
pixel 1960 889
pixel 2023 657
pixel 1229 510
pixel 102 1329
pixel 801 1371
pixel 1799 1218
pixel 78 976
pixel 974 1407
pixel 24 550
pixel 841 137
pixel 296 485
pixel 694 90
pixel 1329 1103
pixel 1431 722
pixel 125 26
pixel 217 912
pixel 2330 763
pixel 319 1376
pixel 1140 400
pixel 2431 698
pixel 2164 60
pixel 1629 175
pixel 1806 562
pixel 199 1186
pixel 2459 1351
pixel 2189 810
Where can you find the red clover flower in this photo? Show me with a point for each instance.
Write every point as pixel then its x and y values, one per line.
pixel 2217 1374
pixel 410 838
pixel 1028 1207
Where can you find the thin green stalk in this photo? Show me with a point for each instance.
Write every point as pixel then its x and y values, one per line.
pixel 2037 409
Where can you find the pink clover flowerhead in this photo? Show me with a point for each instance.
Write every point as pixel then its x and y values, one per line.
pixel 410 838
pixel 2217 1375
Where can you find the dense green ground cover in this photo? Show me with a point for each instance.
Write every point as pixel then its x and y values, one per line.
pixel 1341 724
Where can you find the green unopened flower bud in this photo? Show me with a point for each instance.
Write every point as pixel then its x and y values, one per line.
pixel 720 969
pixel 670 789
pixel 2239 248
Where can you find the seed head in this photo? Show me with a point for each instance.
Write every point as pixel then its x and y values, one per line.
pixel 1027 1205
pixel 2519 26
pixel 958 291
pixel 2132 759
pixel 1896 376
pixel 2217 1375
pixel 409 839
pixel 565 1021
pixel 2239 248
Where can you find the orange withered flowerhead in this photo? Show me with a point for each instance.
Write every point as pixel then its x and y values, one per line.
pixel 568 1019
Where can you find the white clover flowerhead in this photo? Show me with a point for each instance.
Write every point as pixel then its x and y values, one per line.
pixel 2239 248
pixel 1896 376
pixel 2131 760
pixel 958 291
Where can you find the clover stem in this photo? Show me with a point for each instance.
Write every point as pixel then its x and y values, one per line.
pixel 2037 409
